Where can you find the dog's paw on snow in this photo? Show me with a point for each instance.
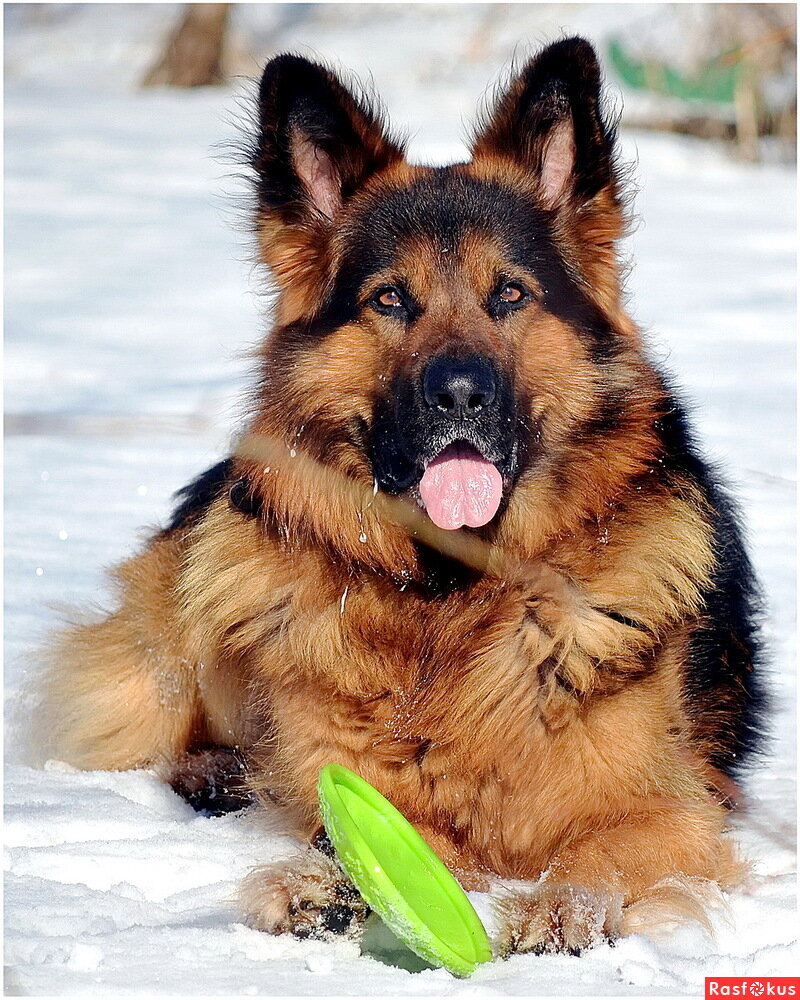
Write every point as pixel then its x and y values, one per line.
pixel 307 895
pixel 557 917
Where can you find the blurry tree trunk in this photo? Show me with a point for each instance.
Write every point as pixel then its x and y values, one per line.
pixel 746 108
pixel 194 51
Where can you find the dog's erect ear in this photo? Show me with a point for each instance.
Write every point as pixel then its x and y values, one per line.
pixel 317 142
pixel 550 120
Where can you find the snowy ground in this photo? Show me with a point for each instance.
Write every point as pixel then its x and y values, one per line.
pixel 130 307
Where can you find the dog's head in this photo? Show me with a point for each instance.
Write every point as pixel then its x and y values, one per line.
pixel 454 334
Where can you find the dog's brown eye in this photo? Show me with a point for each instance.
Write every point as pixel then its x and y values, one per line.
pixel 507 297
pixel 392 301
pixel 390 298
pixel 511 293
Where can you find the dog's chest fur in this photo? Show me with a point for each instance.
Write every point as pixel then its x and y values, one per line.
pixel 450 708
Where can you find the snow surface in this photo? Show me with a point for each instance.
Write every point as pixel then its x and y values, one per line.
pixel 130 308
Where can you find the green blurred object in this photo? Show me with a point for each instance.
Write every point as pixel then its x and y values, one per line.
pixel 716 82
pixel 399 875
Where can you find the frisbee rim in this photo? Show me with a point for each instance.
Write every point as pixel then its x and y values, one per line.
pixel 378 888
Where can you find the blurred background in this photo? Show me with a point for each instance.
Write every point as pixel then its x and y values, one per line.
pixel 719 71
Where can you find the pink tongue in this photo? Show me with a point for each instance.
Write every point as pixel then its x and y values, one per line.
pixel 459 487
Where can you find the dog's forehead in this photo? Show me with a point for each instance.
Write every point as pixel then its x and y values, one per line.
pixel 443 209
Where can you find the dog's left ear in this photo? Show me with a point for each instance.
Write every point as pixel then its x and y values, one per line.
pixel 550 121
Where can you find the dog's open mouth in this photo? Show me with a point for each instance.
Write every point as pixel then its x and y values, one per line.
pixel 460 487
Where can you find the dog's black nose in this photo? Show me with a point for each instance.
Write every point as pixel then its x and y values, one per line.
pixel 459 388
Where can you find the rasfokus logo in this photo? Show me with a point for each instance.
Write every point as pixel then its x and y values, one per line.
pixel 752 986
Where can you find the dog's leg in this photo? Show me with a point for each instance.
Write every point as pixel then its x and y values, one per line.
pixel 581 899
pixel 119 693
pixel 307 895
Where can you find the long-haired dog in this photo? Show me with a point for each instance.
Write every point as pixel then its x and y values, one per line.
pixel 466 547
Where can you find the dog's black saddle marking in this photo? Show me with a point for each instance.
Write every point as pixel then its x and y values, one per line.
pixel 195 498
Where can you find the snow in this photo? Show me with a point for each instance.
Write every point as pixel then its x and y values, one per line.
pixel 131 306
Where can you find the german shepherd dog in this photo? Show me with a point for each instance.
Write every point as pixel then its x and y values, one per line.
pixel 466 547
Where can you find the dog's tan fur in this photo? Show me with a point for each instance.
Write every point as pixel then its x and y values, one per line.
pixel 525 732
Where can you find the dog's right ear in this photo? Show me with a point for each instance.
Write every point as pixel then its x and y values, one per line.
pixel 317 141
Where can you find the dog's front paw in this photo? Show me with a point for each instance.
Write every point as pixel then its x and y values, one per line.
pixel 557 917
pixel 308 896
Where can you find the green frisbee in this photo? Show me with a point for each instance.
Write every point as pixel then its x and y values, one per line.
pixel 399 875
